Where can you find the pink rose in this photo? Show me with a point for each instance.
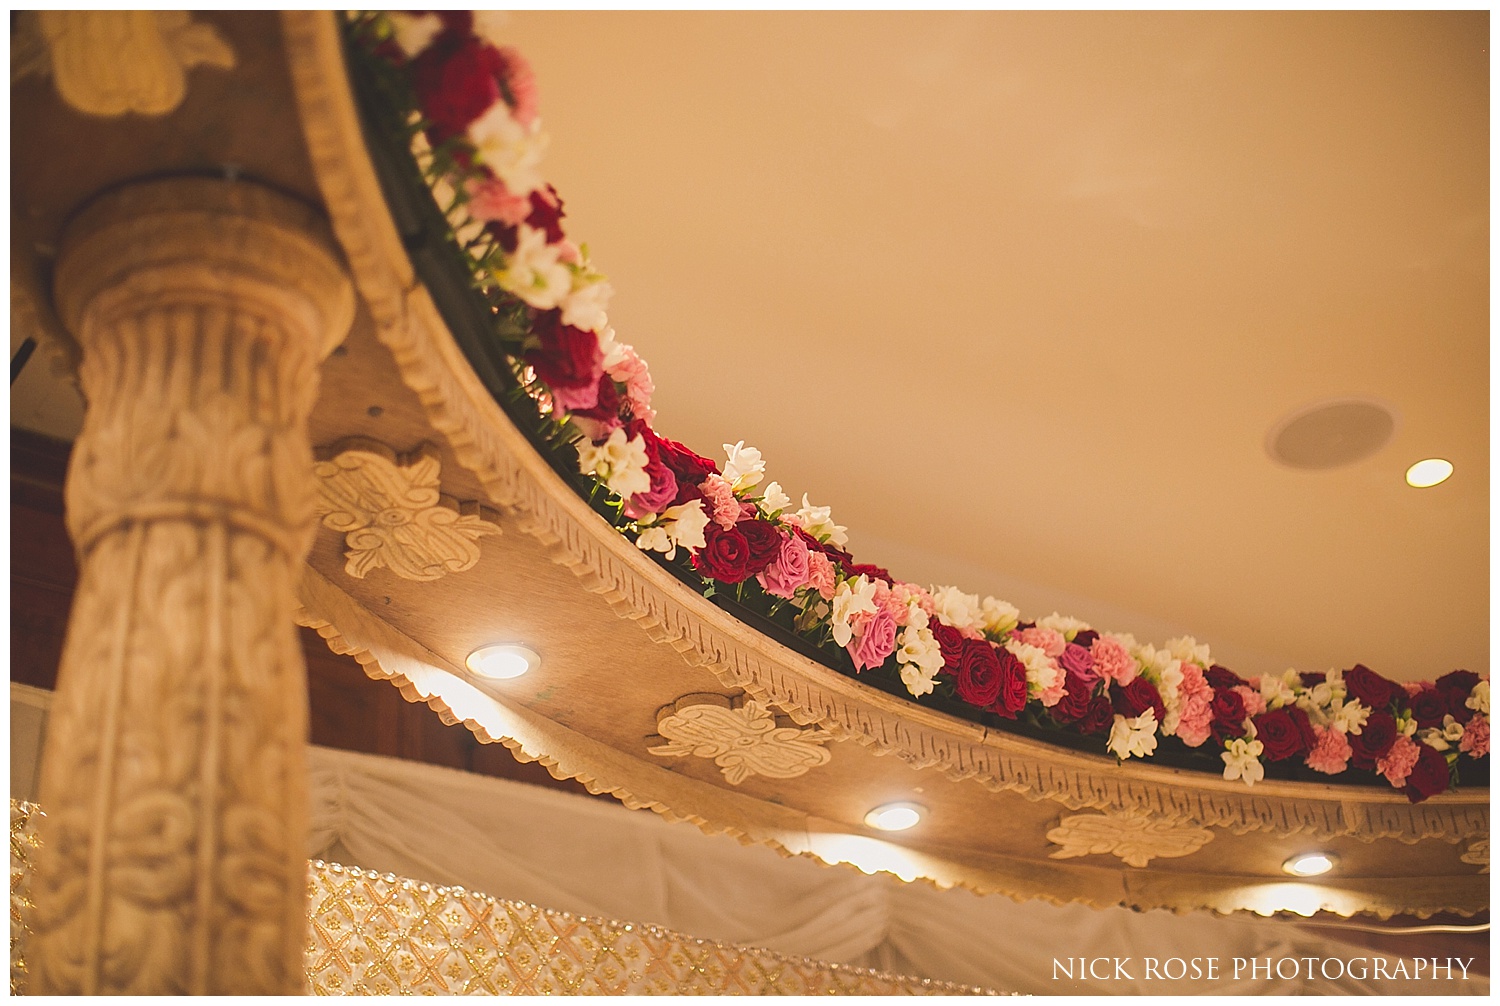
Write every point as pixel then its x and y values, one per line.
pixel 1476 739
pixel 821 575
pixel 1049 641
pixel 1113 661
pixel 789 571
pixel 656 499
pixel 1330 755
pixel 1397 763
pixel 875 643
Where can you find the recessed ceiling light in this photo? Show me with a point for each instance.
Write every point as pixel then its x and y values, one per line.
pixel 502 660
pixel 1428 473
pixel 1310 864
pixel 895 816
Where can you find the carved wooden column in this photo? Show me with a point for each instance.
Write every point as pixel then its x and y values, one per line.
pixel 174 774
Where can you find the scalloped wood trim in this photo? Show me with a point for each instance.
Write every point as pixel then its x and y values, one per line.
pixel 515 476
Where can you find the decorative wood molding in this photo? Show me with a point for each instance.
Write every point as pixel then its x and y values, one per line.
pixel 110 62
pixel 741 736
pixel 1136 839
pixel 393 514
pixel 484 440
pixel 175 754
pixel 1478 853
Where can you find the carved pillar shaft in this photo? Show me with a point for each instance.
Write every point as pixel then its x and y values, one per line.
pixel 173 853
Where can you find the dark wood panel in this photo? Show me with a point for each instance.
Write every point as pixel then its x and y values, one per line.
pixel 347 709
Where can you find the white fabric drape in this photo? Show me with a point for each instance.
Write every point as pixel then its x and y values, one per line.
pixel 589 857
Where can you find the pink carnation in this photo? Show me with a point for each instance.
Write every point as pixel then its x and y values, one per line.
pixel 1413 687
pixel 719 502
pixel 1049 641
pixel 1054 693
pixel 491 202
pixel 1330 755
pixel 875 641
pixel 631 372
pixel 788 572
pixel 1476 738
pixel 1398 762
pixel 1195 715
pixel 821 575
pixel 519 84
pixel 1255 702
pixel 1113 661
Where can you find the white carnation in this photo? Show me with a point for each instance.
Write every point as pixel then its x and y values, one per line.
pixel 957 609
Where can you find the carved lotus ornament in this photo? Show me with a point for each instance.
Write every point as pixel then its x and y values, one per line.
pixel 741 736
pixel 110 62
pixel 392 513
pixel 1135 838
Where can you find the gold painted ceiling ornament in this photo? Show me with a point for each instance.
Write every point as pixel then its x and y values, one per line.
pixel 741 736
pixel 392 513
pixel 1135 838
pixel 109 62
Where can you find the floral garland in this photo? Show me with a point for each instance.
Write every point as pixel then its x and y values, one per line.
pixel 471 111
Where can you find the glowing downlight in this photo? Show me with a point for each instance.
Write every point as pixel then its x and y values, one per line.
pixel 1310 864
pixel 1426 474
pixel 502 660
pixel 895 816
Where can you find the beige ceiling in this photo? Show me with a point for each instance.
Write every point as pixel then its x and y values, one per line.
pixel 1020 295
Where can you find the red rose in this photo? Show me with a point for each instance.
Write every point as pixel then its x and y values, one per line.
pixel 1464 681
pixel 979 674
pixel 1077 699
pixel 950 643
pixel 1428 707
pixel 1222 678
pixel 872 571
pixel 1085 638
pixel 1285 732
pixel 606 408
pixel 1228 715
pixel 456 80
pixel 1099 718
pixel 1371 743
pixel 1429 776
pixel 725 555
pixel 688 468
pixel 1012 697
pixel 1370 688
pixel 764 540
pixel 568 357
pixel 1138 696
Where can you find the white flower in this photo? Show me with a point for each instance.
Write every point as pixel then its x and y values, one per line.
pixel 1350 717
pixel 818 522
pixel 620 463
pixel 490 24
pixel 413 32
pixel 999 617
pixel 1153 662
pixel 775 499
pixel 533 271
pixel 957 609
pixel 1317 702
pixel 920 658
pixel 509 149
pixel 1433 738
pixel 1277 691
pixel 584 306
pixel 1171 695
pixel 1069 627
pixel 1479 698
pixel 1133 738
pixel 744 467
pixel 849 599
pixel 675 526
pixel 1187 648
pixel 1406 726
pixel 1242 761
pixel 1041 672
pixel 916 615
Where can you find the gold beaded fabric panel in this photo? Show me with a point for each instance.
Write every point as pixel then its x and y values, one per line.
pixel 375 934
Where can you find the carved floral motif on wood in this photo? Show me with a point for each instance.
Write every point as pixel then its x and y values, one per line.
pixel 111 62
pixel 1478 853
pixel 741 736
pixel 392 513
pixel 1136 839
